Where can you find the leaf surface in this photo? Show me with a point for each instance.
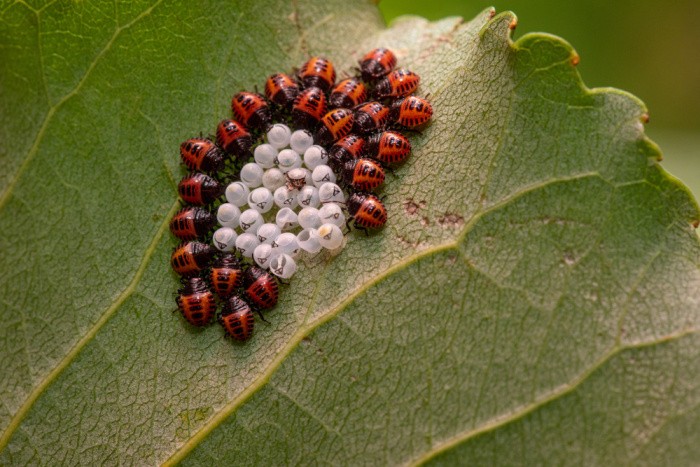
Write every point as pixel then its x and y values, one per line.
pixel 536 284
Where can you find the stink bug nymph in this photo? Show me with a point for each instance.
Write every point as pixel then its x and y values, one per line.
pixel 196 302
pixel 260 287
pixel 388 147
pixel 366 210
pixel 317 72
pixel 398 83
pixel 349 93
pixel 192 222
pixel 190 258
pixel 371 117
pixel 281 89
pixel 363 174
pixel 309 107
pixel 234 138
pixel 251 110
pixel 201 154
pixel 347 147
pixel 411 112
pixel 226 275
pixel 199 189
pixel 237 319
pixel 377 63
pixel 334 125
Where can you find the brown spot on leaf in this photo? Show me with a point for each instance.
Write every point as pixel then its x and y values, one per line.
pixel 644 118
pixel 696 223
pixel 575 59
pixel 411 207
pixel 513 24
pixel 569 259
pixel 450 220
pixel 424 221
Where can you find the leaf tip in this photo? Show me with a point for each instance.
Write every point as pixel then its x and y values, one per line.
pixel 513 23
pixel 501 24
pixel 575 58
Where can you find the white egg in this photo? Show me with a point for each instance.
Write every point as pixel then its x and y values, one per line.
pixel 224 239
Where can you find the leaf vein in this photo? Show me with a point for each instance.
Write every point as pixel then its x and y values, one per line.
pixel 557 393
pixel 34 148
pixel 89 335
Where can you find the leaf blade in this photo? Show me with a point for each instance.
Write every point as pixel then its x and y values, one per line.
pixel 190 387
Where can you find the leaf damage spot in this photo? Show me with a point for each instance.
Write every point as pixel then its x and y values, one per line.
pixel 411 207
pixel 569 258
pixel 513 24
pixel 575 59
pixel 645 118
pixel 450 220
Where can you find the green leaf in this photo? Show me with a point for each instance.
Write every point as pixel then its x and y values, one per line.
pixel 533 298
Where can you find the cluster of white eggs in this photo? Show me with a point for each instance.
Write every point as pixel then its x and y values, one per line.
pixel 308 215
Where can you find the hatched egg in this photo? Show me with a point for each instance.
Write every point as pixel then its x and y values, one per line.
pixel 267 233
pixel 286 198
pixel 308 240
pixel 283 266
pixel 224 239
pixel 261 200
pixel 322 174
pixel 288 159
pixel 308 218
pixel 250 221
pixel 251 175
pixel 330 236
pixel 301 140
pixel 246 244
pixel 228 215
pixel 262 254
pixel 331 193
pixel 265 155
pixel 237 193
pixel 332 213
pixel 273 178
pixel 279 135
pixel 308 197
pixel 286 219
pixel 315 156
pixel 286 243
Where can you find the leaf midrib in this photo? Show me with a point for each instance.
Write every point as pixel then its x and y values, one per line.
pixel 222 414
pixel 90 334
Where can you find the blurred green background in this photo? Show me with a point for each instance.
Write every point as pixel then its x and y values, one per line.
pixel 647 47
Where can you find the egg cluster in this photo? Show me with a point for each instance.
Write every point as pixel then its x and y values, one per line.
pixel 291 188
